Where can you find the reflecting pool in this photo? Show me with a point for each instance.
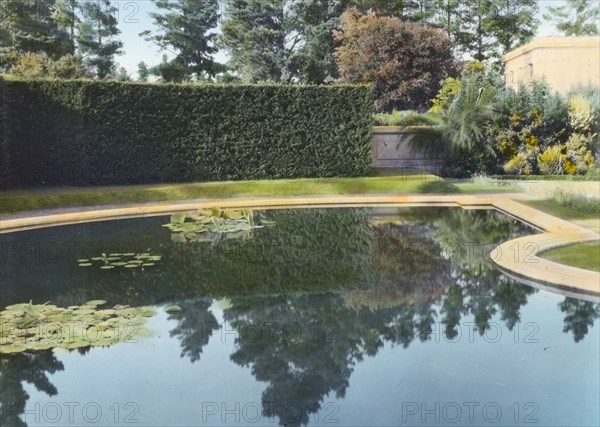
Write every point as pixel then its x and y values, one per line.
pixel 350 317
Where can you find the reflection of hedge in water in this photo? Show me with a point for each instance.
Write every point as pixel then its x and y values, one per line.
pixel 319 250
pixel 307 250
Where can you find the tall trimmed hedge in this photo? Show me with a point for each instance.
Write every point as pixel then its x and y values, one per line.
pixel 85 132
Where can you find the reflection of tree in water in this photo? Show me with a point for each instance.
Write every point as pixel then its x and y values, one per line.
pixel 196 323
pixel 307 348
pixel 16 369
pixel 467 238
pixel 580 316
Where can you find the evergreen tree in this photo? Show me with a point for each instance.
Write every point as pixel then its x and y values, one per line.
pixel 28 27
pixel 511 23
pixel 122 75
pixel 281 40
pixel 186 29
pixel 97 37
pixel 576 17
pixel 143 72
pixel 66 15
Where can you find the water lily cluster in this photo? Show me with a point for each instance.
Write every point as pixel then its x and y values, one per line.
pixel 31 326
pixel 125 260
pixel 210 225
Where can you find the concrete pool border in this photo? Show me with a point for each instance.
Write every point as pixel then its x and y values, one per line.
pixel 518 257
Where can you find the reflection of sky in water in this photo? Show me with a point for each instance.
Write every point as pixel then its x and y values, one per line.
pixel 557 375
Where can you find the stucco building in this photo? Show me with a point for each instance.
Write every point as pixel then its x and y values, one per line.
pixel 563 61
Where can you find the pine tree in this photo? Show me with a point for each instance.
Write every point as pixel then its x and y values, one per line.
pixel 576 18
pixel 97 37
pixel 281 40
pixel 186 28
pixel 143 72
pixel 28 27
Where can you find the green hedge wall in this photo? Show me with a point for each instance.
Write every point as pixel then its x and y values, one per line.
pixel 83 132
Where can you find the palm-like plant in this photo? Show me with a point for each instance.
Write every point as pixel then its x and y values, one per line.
pixel 463 123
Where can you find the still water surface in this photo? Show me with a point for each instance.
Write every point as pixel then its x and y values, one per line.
pixel 328 317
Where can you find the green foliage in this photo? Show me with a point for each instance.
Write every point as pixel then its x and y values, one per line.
pixel 122 75
pixel 529 121
pixel 438 187
pixel 213 225
pixel 406 118
pixel 450 89
pixel 576 17
pixel 462 136
pixel 124 133
pixel 186 28
pixel 33 65
pixel 281 40
pixel 96 39
pixel 578 202
pixel 143 72
pixel 28 26
pixel 126 260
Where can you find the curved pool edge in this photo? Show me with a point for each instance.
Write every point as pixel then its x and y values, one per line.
pixel 518 257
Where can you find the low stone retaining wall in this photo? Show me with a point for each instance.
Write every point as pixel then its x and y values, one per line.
pixel 391 149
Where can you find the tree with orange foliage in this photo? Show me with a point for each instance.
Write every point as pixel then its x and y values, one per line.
pixel 404 61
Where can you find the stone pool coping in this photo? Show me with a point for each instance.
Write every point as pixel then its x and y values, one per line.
pixel 518 257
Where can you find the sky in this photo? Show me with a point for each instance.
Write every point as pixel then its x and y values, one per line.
pixel 134 18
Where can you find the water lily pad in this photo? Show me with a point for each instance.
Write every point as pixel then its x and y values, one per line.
pixel 87 326
pixel 12 348
pixel 85 264
pixel 107 267
pixel 172 308
pixel 131 265
pixel 211 224
pixel 178 218
pixel 95 303
pixel 148 264
pixel 16 307
pixel 83 260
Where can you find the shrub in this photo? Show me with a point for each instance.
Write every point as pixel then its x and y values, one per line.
pixel 406 118
pixel 517 165
pixel 66 67
pixel 448 92
pixel 581 115
pixel 530 121
pixel 103 132
pixel 552 161
pixel 577 201
pixel 579 153
pixel 33 65
pixel 438 187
